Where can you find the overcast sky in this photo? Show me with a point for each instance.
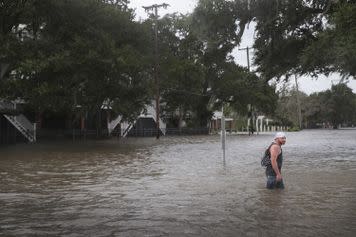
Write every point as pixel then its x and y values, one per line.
pixel 306 84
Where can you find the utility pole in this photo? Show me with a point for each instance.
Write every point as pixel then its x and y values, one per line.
pixel 250 107
pixel 154 8
pixel 223 132
pixel 298 103
pixel 248 56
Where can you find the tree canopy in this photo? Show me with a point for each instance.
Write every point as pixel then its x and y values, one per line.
pixel 329 108
pixel 74 53
pixel 66 56
pixel 303 37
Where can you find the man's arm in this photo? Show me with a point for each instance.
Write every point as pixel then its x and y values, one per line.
pixel 274 151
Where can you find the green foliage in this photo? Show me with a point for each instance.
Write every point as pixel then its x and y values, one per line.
pixel 213 25
pixel 213 21
pixel 303 37
pixel 334 107
pixel 294 129
pixel 286 111
pixel 73 53
pixel 282 34
pixel 343 105
pixel 335 48
pixel 238 87
pixel 72 56
pixel 317 109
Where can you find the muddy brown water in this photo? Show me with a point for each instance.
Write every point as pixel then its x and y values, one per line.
pixel 179 186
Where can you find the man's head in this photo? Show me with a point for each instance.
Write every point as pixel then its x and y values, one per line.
pixel 280 138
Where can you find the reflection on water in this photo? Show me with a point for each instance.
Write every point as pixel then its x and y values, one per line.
pixel 179 186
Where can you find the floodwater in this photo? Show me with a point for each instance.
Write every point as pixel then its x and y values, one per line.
pixel 179 186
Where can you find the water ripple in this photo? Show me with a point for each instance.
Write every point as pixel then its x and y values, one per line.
pixel 179 186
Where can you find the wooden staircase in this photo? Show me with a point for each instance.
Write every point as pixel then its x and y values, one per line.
pixel 125 126
pixel 20 122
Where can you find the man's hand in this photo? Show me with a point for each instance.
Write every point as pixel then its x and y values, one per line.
pixel 278 178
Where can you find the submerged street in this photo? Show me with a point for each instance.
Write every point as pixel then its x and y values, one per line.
pixel 179 186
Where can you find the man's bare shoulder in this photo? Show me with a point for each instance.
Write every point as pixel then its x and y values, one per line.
pixel 275 148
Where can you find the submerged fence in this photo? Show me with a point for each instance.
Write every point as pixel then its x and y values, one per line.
pixel 151 132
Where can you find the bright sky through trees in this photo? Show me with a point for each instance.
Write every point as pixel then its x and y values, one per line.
pixel 307 84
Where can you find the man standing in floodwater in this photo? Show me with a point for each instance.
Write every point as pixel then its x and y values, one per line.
pixel 273 169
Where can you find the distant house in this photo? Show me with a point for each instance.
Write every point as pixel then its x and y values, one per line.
pixel 144 125
pixel 215 122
